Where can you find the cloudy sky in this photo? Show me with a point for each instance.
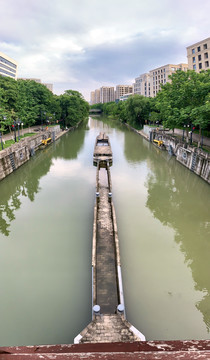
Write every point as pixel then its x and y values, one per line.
pixel 85 44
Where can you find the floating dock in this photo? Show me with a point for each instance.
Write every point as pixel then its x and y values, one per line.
pixel 109 322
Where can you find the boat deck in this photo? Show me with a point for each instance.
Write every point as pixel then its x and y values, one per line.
pixel 102 150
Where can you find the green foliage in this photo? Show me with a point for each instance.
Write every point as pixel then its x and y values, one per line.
pixel 73 107
pixel 138 109
pixel 32 103
pixel 185 100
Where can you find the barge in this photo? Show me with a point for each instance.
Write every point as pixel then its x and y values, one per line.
pixel 102 151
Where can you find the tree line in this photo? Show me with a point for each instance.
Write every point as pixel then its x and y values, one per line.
pixel 32 103
pixel 184 102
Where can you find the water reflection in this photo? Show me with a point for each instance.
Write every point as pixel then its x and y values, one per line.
pixel 135 147
pixel 25 181
pixel 177 198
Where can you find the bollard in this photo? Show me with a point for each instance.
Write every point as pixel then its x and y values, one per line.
pixel 120 309
pixel 96 310
pixel 109 196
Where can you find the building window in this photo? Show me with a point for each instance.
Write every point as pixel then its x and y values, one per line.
pixel 3 60
pixel 206 64
pixel 193 51
pixel 205 46
pixel 199 57
pixel 194 67
pixel 200 65
pixel 199 48
pixel 206 55
pixel 193 59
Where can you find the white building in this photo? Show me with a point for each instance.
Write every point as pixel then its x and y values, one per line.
pixel 142 85
pixel 8 66
pixel 198 55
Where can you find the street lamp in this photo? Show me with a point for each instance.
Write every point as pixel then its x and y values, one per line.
pixel 18 124
pixel 14 127
pixel 2 147
pixel 1 135
pixel 184 126
pixel 22 128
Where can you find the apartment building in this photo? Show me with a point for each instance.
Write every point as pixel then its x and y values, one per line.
pixel 95 97
pixel 161 75
pixel 107 94
pixel 125 97
pixel 39 81
pixel 123 90
pixel 8 66
pixel 92 98
pixel 198 55
pixel 142 85
pixel 48 86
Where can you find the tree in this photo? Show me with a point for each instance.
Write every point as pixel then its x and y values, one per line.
pixel 73 107
pixel 185 100
pixel 138 109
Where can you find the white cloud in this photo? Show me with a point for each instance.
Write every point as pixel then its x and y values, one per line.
pixel 81 43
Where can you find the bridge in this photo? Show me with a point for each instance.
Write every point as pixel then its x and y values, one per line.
pixel 109 322
pixel 95 111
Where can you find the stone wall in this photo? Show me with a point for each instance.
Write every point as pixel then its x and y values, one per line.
pixel 17 154
pixel 193 158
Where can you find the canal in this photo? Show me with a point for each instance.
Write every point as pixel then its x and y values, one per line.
pixel 46 216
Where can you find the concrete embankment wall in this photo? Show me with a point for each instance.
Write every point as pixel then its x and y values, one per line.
pixel 193 158
pixel 17 154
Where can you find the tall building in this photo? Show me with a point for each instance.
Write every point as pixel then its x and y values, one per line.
pixel 8 66
pixel 97 96
pixel 161 75
pixel 92 97
pixel 48 86
pixel 142 85
pixel 198 55
pixel 107 94
pixel 123 90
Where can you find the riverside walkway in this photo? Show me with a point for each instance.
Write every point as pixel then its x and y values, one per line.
pixel 109 322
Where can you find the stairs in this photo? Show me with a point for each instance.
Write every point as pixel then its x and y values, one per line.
pixel 12 160
pixel 170 150
pixel 193 161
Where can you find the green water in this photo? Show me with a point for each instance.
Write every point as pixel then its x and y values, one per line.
pixel 46 215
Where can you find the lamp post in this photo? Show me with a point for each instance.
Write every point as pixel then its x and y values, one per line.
pixel 1 135
pixel 46 117
pixel 2 147
pixel 18 124
pixel 14 126
pixel 184 126
pixel 22 128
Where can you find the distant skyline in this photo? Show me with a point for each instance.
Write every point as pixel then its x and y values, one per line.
pixel 83 45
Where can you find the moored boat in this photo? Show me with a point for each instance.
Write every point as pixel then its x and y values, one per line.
pixel 102 150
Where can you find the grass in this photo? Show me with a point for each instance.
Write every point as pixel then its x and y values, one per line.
pixel 8 143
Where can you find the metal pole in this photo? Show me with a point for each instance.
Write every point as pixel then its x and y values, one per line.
pixel 18 131
pixel 1 141
pixel 15 130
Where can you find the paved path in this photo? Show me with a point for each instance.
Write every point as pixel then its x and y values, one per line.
pixel 106 277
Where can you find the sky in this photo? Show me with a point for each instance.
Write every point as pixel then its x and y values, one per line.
pixel 85 44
